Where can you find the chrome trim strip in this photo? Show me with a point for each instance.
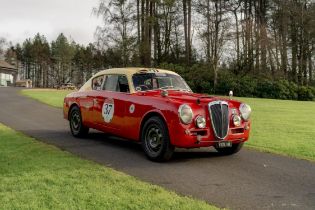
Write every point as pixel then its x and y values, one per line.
pixel 234 140
pixel 209 108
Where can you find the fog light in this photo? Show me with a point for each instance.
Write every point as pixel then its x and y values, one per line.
pixel 237 120
pixel 200 122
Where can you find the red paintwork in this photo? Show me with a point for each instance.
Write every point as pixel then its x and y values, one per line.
pixel 127 125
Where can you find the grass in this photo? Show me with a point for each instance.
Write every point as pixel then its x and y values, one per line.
pixel 278 126
pixel 283 127
pixel 38 176
pixel 48 96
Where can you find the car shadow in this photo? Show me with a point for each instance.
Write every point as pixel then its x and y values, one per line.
pixel 179 155
pixel 65 141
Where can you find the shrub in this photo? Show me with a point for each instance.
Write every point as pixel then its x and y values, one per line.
pixel 200 78
pixel 305 94
pixel 285 90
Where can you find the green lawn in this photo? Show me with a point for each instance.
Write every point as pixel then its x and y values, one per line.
pixel 283 127
pixel 47 96
pixel 278 126
pixel 38 176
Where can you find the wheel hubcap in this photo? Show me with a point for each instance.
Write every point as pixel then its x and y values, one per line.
pixel 154 138
pixel 76 121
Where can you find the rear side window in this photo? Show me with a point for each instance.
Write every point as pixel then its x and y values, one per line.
pixel 117 83
pixel 97 83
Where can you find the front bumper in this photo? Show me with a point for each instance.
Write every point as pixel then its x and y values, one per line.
pixel 193 138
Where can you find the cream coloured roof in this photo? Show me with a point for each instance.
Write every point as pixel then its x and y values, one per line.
pixel 131 71
pixel 124 71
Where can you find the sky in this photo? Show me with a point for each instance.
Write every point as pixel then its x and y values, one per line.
pixel 22 19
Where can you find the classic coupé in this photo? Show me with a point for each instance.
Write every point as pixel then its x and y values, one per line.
pixel 157 108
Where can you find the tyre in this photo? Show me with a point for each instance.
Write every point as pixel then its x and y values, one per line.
pixel 75 121
pixel 156 141
pixel 230 150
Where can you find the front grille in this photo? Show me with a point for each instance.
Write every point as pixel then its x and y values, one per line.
pixel 219 114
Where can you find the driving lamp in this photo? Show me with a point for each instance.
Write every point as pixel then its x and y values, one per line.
pixel 237 120
pixel 200 122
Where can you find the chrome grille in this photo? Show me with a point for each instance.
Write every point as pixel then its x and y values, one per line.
pixel 219 114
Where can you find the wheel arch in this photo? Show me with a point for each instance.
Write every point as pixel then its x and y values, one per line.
pixel 148 115
pixel 71 107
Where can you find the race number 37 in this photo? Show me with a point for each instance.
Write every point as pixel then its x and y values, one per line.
pixel 108 110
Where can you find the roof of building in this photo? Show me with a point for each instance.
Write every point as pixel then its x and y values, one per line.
pixel 7 66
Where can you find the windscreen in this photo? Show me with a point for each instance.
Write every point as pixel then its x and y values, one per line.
pixel 153 81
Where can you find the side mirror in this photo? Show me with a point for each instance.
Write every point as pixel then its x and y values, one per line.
pixel 231 94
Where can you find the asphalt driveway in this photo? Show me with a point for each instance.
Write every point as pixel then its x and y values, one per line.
pixel 247 180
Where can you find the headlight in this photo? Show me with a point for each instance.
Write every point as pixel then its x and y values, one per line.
pixel 236 120
pixel 185 114
pixel 200 122
pixel 245 111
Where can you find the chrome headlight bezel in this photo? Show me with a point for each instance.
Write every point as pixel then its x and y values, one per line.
pixel 245 111
pixel 200 122
pixel 185 114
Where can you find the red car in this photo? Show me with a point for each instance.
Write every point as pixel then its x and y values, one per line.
pixel 157 108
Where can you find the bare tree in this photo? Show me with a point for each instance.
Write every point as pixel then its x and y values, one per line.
pixel 118 26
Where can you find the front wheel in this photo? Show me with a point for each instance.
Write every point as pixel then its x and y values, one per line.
pixel 76 125
pixel 230 150
pixel 155 140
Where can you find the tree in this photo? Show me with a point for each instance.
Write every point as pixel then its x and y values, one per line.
pixel 62 53
pixel 3 45
pixel 213 34
pixel 187 29
pixel 118 29
pixel 256 39
pixel 40 52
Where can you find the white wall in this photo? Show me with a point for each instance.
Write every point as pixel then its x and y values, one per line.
pixel 4 78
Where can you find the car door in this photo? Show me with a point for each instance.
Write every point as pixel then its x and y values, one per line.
pixel 87 101
pixel 109 110
pixel 99 97
pixel 86 104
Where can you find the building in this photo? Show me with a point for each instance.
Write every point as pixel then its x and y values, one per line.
pixel 24 83
pixel 8 74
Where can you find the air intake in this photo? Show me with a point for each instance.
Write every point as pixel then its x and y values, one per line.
pixel 219 114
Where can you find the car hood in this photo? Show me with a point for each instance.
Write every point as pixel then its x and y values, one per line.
pixel 182 97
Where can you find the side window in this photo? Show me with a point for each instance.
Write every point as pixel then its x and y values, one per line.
pixel 118 83
pixel 97 83
pixel 123 84
pixel 111 83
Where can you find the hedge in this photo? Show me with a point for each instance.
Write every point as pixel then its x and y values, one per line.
pixel 200 79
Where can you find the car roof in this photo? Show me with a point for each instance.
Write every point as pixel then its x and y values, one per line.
pixel 129 71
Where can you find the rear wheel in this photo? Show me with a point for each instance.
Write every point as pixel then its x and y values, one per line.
pixel 230 150
pixel 155 140
pixel 76 125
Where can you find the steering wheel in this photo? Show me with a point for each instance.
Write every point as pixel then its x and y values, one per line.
pixel 142 87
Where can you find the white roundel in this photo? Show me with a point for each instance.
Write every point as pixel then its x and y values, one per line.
pixel 132 108
pixel 108 110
